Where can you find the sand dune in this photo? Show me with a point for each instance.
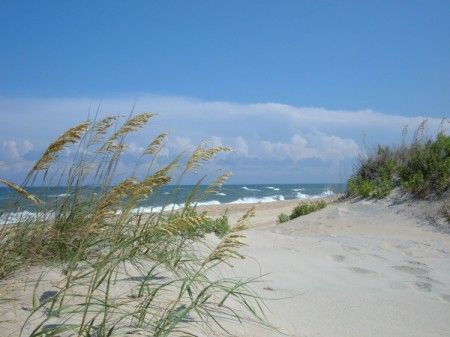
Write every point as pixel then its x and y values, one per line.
pixel 356 268
pixel 366 268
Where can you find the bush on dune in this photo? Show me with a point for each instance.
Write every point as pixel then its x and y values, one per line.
pixel 301 209
pixel 421 167
pixel 95 236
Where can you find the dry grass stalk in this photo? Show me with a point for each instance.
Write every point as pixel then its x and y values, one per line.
pixel 421 129
pixel 216 184
pixel 146 186
pixel 156 144
pixel 100 128
pixel 72 135
pixel 111 202
pixel 182 225
pixel 131 125
pixel 201 154
pixel 21 191
pixel 227 248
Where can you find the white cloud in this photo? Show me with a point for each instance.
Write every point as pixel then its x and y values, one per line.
pixel 316 145
pixel 296 149
pixel 12 150
pixel 12 160
pixel 261 132
pixel 180 144
pixel 216 141
pixel 135 149
pixel 240 147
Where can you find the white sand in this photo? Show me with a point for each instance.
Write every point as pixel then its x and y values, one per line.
pixel 360 269
pixel 366 268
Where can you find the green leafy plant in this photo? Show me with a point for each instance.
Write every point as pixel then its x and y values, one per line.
pixel 302 208
pixel 421 167
pixel 283 217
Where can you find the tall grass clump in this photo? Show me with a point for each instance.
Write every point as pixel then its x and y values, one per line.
pixel 422 167
pixel 99 239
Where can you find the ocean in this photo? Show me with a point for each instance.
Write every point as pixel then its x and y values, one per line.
pixel 173 197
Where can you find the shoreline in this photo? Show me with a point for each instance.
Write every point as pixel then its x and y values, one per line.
pixel 266 213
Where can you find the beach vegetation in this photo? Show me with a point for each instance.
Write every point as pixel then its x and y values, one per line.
pixel 283 217
pixel 96 237
pixel 422 167
pixel 301 209
pixel 219 226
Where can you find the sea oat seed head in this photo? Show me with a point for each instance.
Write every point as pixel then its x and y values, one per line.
pixel 21 191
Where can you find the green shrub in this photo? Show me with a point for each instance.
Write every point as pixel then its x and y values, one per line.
pixel 422 168
pixel 306 208
pixel 366 188
pixel 302 208
pixel 353 186
pixel 428 168
pixel 283 217
pixel 383 188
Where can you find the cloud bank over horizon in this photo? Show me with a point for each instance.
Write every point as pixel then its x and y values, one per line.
pixel 272 142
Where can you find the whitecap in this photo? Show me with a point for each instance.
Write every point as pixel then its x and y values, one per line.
pixel 250 189
pixel 250 200
pixel 211 202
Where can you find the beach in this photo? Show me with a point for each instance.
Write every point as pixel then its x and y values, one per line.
pixel 356 268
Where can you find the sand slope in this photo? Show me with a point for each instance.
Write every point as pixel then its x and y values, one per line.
pixel 355 268
pixel 367 268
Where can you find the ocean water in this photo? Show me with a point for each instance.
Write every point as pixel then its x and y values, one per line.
pixel 169 197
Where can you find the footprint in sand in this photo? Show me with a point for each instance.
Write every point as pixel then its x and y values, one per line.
pixel 424 286
pixel 429 280
pixel 350 249
pixel 361 271
pixel 412 270
pixel 337 258
pixel 417 263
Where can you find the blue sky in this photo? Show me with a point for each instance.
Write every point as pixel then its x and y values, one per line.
pixel 297 88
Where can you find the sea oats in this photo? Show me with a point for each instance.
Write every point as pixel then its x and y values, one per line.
pixel 111 202
pixel 21 191
pixel 215 185
pixel 72 135
pixel 227 248
pixel 112 147
pixel 100 128
pixel 146 186
pixel 182 225
pixel 240 225
pixel 133 124
pixel 155 145
pixel 421 128
pixel 201 154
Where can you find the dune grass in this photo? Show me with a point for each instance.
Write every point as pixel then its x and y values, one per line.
pixel 422 167
pixel 96 237
pixel 303 208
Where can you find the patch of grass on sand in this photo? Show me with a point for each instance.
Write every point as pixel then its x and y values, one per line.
pixel 301 209
pixel 95 236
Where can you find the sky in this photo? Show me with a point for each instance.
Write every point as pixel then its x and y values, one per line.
pixel 298 89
